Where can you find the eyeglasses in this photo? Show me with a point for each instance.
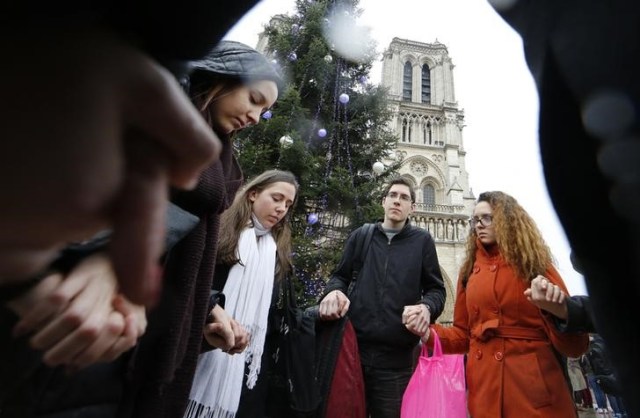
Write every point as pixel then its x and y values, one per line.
pixel 402 196
pixel 484 220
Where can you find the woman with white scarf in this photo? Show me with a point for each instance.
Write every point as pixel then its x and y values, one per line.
pixel 254 256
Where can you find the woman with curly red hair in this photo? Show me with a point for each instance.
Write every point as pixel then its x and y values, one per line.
pixel 513 369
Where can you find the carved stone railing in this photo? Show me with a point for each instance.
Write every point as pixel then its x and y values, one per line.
pixel 439 209
pixel 445 223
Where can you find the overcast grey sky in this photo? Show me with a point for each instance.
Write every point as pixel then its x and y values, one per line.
pixel 492 85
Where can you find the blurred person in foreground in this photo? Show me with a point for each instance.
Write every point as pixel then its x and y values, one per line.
pixel 95 128
pixel 583 57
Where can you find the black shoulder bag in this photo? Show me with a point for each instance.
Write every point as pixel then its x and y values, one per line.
pixel 294 360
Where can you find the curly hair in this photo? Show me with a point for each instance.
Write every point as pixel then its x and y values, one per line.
pixel 517 237
pixel 236 218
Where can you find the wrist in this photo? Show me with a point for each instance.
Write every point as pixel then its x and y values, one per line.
pixel 428 308
pixel 15 292
pixel 564 312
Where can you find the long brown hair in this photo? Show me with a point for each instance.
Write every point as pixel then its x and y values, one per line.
pixel 517 237
pixel 207 91
pixel 236 218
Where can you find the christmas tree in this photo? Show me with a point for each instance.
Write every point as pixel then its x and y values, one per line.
pixel 329 127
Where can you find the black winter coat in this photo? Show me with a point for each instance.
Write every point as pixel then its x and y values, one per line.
pixel 395 273
pixel 579 316
pixel 601 365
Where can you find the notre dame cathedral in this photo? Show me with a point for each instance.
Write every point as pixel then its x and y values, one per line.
pixel 428 124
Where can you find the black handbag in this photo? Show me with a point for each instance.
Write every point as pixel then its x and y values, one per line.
pixel 294 371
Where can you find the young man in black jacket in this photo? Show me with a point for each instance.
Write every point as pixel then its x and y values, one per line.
pixel 399 291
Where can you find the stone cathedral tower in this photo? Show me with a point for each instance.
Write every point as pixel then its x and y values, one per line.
pixel 428 124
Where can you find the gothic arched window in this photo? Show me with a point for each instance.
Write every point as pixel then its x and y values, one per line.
pixel 428 195
pixel 427 134
pixel 406 82
pixel 426 84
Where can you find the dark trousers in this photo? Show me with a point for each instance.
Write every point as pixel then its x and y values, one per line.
pixel 384 389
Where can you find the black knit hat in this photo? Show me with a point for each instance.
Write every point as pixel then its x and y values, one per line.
pixel 236 60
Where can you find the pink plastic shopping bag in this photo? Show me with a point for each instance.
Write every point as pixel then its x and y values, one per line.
pixel 437 388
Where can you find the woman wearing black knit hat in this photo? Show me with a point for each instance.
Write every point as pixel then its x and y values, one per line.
pixel 232 87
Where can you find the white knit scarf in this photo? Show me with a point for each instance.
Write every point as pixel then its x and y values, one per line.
pixel 217 384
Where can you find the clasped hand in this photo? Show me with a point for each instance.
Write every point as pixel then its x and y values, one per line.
pixel 416 318
pixel 225 332
pixel 547 296
pixel 334 305
pixel 80 319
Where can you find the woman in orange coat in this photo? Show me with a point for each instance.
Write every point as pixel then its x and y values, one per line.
pixel 512 365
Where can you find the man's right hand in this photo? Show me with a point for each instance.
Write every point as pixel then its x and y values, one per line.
pixel 334 305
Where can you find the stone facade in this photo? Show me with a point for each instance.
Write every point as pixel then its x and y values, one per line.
pixel 429 124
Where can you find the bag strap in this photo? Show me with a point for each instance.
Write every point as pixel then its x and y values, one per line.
pixel 289 301
pixel 437 347
pixel 363 242
pixel 287 290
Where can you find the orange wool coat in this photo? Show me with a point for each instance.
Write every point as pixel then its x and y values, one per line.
pixel 512 370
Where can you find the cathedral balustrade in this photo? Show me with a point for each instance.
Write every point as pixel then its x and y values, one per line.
pixel 443 228
pixel 437 209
